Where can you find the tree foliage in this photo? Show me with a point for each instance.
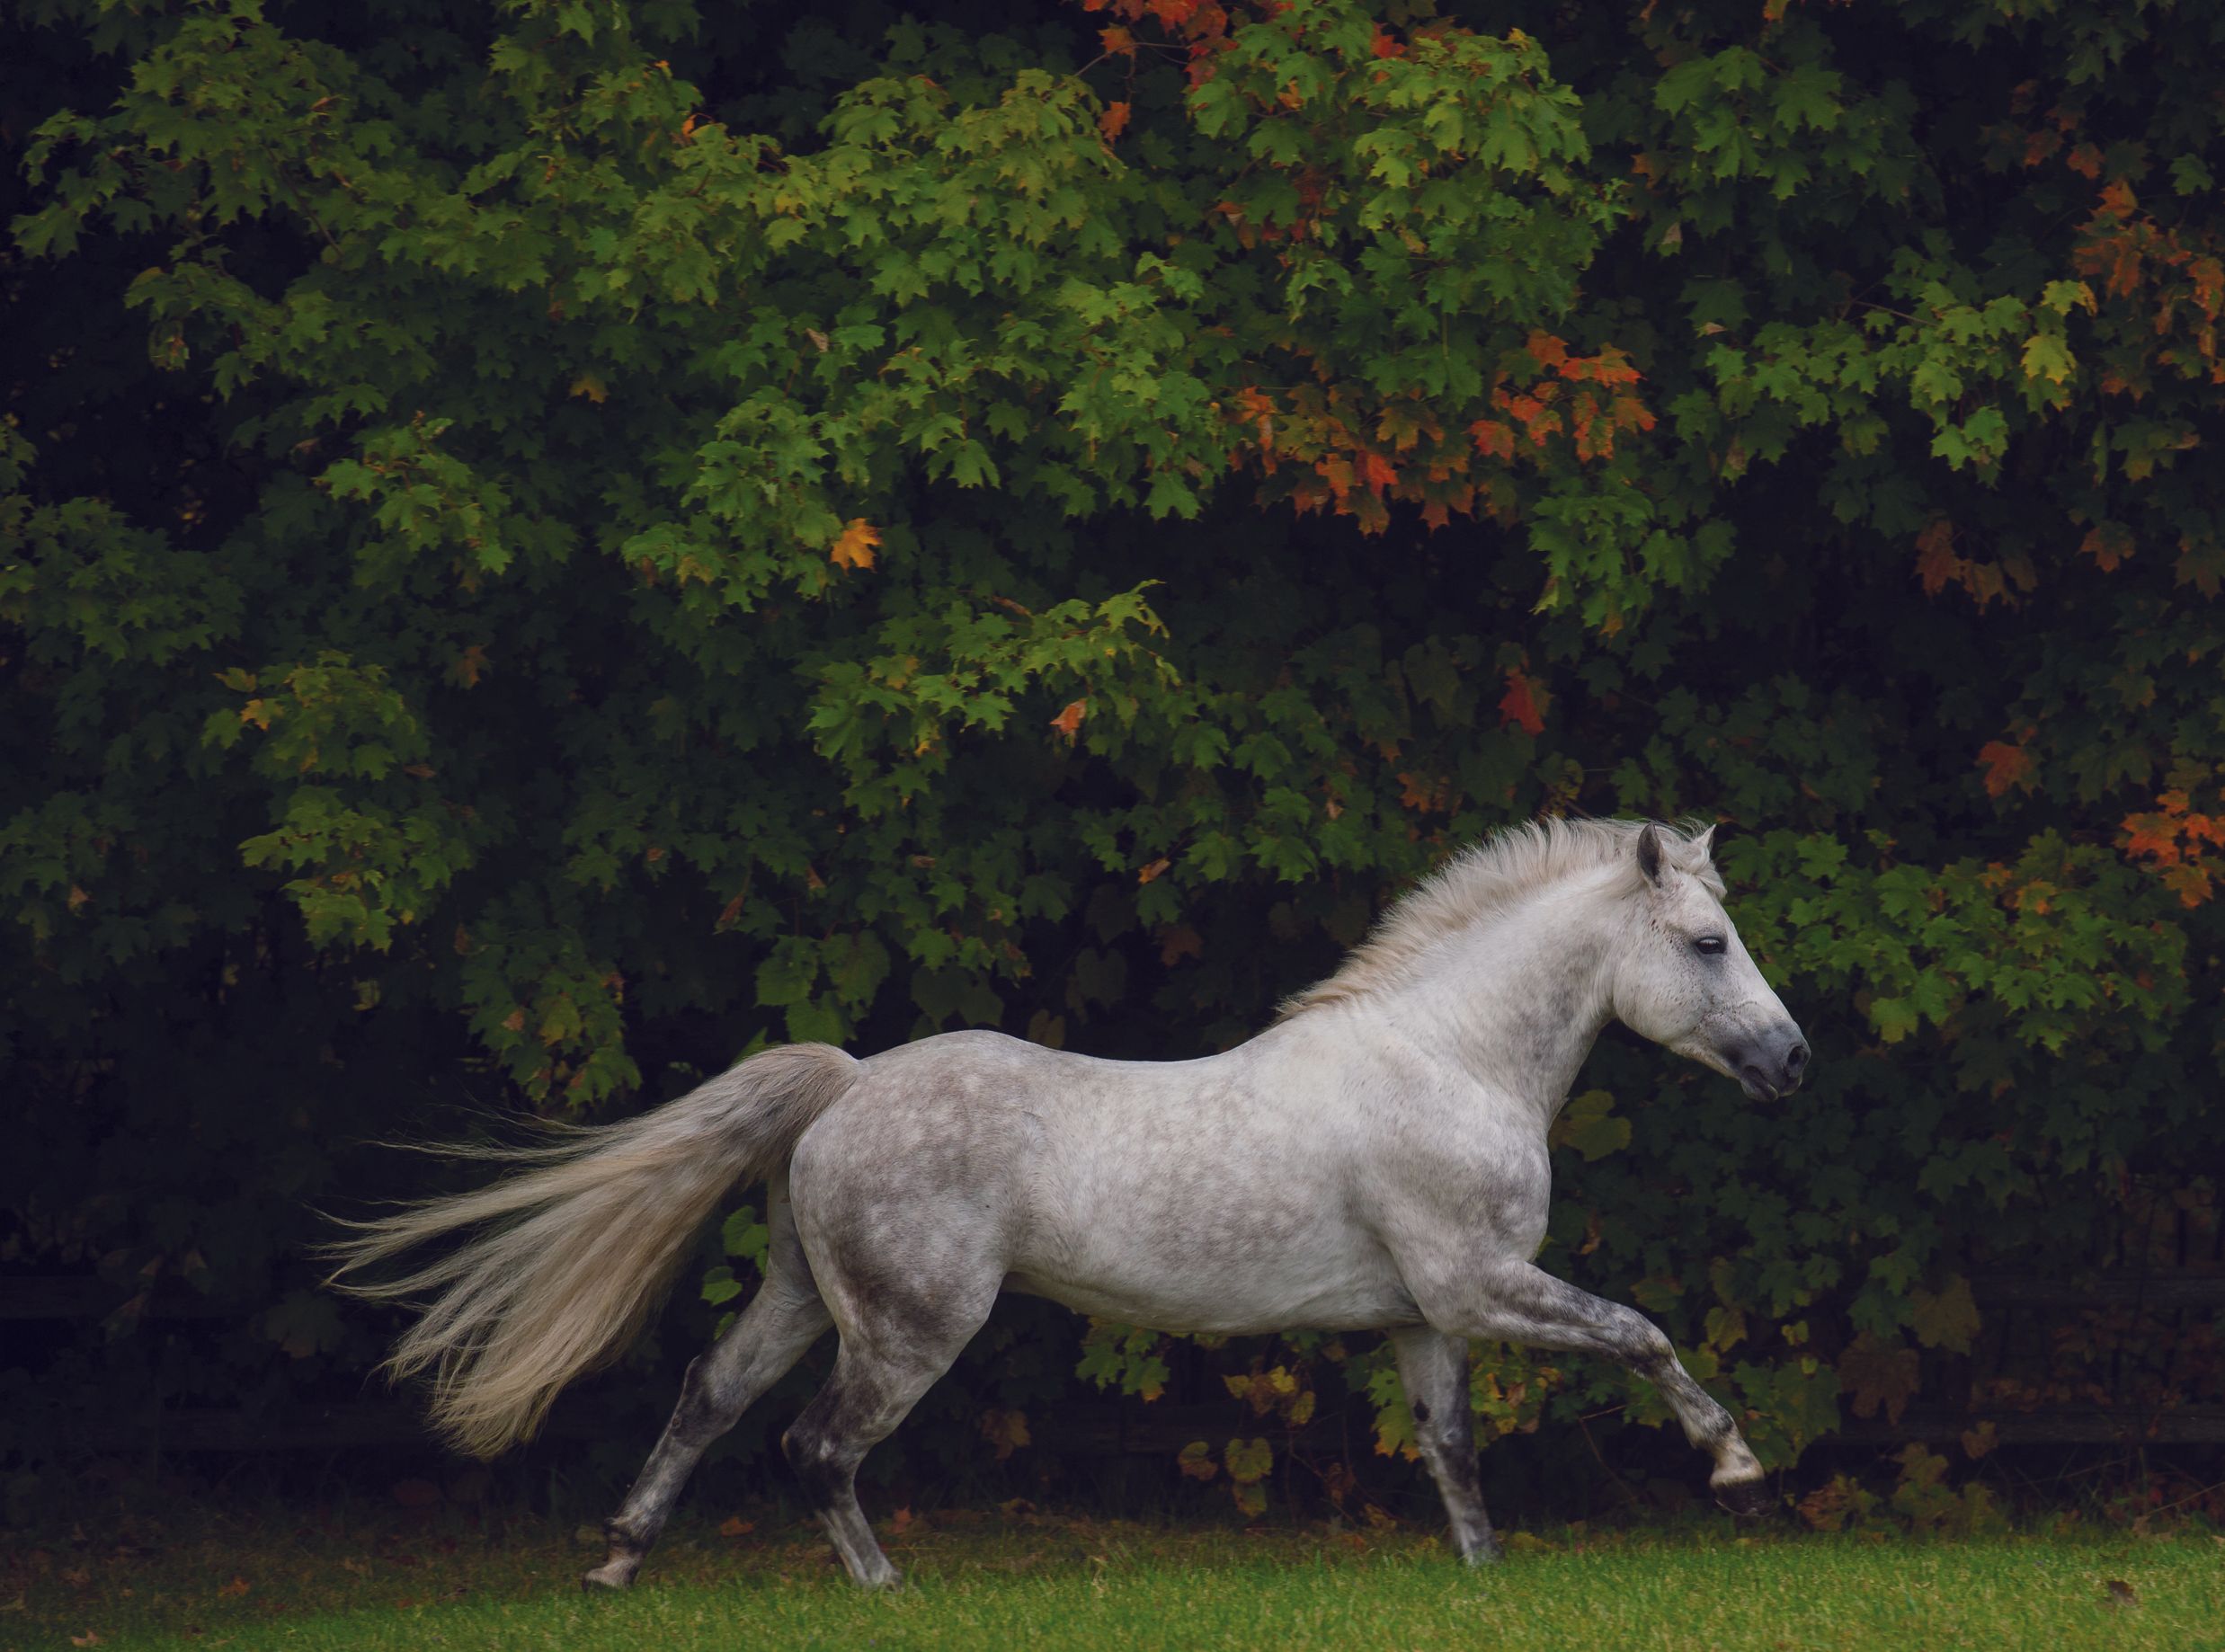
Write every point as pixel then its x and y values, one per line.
pixel 549 544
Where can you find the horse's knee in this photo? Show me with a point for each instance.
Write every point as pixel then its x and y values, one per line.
pixel 1644 1346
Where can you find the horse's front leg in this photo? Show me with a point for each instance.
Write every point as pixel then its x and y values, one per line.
pixel 1514 1301
pixel 1434 1368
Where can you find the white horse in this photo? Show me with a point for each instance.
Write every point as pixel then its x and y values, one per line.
pixel 1376 1160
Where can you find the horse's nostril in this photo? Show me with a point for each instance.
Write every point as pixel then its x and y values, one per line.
pixel 1795 1061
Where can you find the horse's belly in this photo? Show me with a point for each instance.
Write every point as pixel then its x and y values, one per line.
pixel 1344 1284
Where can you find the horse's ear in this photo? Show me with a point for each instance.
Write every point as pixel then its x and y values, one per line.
pixel 1706 844
pixel 1650 853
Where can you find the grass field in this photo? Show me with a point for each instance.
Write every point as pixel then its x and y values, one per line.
pixel 1024 1581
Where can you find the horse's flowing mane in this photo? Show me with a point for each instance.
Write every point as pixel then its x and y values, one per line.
pixel 1490 876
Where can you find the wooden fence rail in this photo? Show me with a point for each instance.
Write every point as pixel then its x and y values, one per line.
pixel 1106 1429
pixel 1088 1429
pixel 85 1297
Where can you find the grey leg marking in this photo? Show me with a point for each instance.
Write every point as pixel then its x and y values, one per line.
pixel 860 1406
pixel 900 1332
pixel 1516 1303
pixel 1434 1368
pixel 780 1325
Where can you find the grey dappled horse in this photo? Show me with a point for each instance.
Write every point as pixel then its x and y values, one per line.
pixel 1374 1159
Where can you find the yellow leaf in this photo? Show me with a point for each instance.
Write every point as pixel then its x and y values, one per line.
pixel 592 386
pixel 1873 1373
pixel 1005 1430
pixel 1195 1461
pixel 1587 1124
pixel 1249 1461
pixel 1947 1319
pixel 854 548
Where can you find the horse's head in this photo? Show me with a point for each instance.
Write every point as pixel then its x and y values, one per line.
pixel 1684 979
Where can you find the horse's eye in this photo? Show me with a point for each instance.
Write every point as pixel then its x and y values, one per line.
pixel 1709 943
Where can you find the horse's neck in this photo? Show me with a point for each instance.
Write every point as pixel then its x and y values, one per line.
pixel 1524 995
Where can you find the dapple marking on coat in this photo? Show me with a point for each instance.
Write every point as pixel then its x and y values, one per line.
pixel 1376 1159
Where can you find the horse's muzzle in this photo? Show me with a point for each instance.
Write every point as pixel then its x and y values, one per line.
pixel 1771 1066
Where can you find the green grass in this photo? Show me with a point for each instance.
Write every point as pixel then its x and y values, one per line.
pixel 1042 1582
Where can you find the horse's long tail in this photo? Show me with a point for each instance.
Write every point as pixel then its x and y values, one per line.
pixel 576 1250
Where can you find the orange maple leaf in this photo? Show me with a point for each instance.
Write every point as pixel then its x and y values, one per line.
pixel 854 548
pixel 1423 793
pixel 1523 704
pixel 1113 121
pixel 1548 350
pixel 1492 439
pixel 1069 721
pixel 2005 765
pixel 465 670
pixel 1935 561
pixel 2108 543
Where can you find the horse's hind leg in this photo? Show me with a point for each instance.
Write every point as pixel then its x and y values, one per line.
pixel 784 1319
pixel 1434 1369
pixel 897 1340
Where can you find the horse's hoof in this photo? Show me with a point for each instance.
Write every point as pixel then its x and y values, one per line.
pixel 615 1573
pixel 1486 1553
pixel 1747 1499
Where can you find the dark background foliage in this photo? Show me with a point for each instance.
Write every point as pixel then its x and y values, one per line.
pixel 547 546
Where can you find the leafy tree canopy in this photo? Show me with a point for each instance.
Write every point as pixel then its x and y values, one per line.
pixel 545 542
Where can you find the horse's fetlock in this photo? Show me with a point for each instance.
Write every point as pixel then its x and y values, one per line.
pixel 817 1459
